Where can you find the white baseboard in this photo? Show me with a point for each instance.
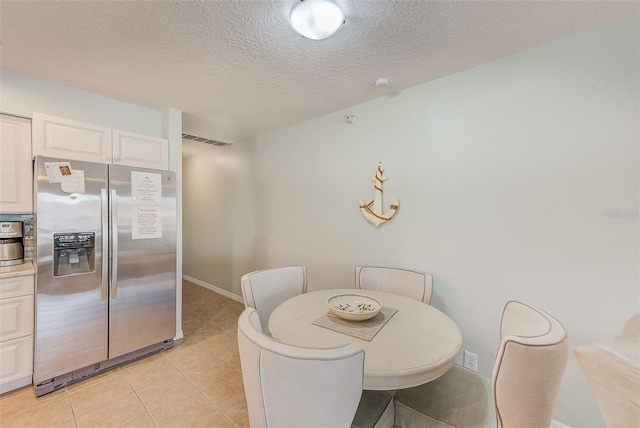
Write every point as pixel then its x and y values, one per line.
pixel 218 290
pixel 556 424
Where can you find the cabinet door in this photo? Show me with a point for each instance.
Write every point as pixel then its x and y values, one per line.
pixel 141 151
pixel 16 286
pixel 68 139
pixel 16 184
pixel 16 317
pixel 16 363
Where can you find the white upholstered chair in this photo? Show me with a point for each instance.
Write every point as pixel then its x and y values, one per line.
pixel 287 386
pixel 527 373
pixel 409 283
pixel 264 290
pixel 612 369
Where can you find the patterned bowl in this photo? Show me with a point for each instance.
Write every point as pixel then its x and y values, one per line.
pixel 353 306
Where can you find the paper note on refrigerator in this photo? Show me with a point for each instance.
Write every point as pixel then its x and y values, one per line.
pixel 146 222
pixel 146 187
pixel 73 183
pixel 56 171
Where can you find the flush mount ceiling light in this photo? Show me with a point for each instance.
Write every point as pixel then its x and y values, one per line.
pixel 316 19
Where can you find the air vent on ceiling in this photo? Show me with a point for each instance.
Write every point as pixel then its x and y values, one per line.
pixel 204 140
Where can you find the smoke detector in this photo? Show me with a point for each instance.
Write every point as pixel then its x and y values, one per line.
pixel 382 82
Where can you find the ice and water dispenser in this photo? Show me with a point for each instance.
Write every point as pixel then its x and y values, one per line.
pixel 73 253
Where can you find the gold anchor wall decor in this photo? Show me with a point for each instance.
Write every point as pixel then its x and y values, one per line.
pixel 372 211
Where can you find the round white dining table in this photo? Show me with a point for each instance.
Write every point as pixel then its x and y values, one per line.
pixel 417 345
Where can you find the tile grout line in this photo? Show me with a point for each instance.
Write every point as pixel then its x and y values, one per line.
pixel 202 392
pixel 141 402
pixel 224 312
pixel 73 412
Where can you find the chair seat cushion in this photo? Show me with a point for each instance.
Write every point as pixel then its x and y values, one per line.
pixel 459 398
pixel 374 411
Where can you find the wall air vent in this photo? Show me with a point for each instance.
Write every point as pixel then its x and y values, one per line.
pixel 204 140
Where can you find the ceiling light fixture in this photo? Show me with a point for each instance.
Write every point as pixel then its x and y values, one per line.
pixel 316 19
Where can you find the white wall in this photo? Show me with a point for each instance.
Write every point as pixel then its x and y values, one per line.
pixel 519 178
pixel 23 95
pixel 219 226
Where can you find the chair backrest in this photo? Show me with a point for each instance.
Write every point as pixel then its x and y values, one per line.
pixel 287 386
pixel 529 366
pixel 264 290
pixel 612 369
pixel 409 283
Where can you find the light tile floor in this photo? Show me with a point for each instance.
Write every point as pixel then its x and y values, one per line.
pixel 195 384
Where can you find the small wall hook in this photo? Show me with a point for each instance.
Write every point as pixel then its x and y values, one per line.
pixel 350 118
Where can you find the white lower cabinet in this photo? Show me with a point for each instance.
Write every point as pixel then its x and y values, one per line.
pixel 16 363
pixel 16 332
pixel 16 317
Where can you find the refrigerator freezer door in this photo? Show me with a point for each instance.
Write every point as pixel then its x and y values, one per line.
pixel 72 310
pixel 143 245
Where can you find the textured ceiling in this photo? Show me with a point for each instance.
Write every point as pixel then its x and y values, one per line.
pixel 236 68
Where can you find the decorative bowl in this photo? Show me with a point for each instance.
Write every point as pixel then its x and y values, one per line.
pixel 354 306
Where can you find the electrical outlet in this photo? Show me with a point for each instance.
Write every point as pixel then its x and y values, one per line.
pixel 471 361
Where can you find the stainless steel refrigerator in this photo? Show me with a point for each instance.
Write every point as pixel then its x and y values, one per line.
pixel 106 271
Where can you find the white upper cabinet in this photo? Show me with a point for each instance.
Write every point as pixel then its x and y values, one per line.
pixel 137 150
pixel 70 139
pixel 63 138
pixel 16 187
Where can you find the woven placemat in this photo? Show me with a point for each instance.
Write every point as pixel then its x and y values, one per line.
pixel 364 330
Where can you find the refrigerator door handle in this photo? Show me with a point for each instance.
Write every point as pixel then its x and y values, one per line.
pixel 105 244
pixel 114 244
